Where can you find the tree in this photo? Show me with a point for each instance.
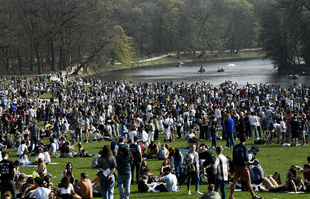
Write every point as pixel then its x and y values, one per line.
pixel 288 33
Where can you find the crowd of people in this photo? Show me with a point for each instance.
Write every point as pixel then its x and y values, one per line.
pixel 135 114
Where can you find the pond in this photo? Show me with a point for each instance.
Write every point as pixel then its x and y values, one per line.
pixel 242 71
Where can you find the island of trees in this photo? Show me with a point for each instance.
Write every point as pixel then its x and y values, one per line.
pixel 39 35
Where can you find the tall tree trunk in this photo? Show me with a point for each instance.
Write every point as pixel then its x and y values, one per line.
pixel 53 61
pixel 38 58
pixel 20 63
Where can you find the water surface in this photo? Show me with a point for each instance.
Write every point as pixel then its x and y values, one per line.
pixel 253 71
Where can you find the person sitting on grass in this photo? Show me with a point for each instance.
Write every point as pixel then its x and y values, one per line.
pixel 68 172
pixel 211 194
pixel 47 156
pixel 41 167
pixel 66 188
pixel 191 137
pixel 41 192
pixel 162 153
pixel 165 165
pixel 142 184
pixel 85 187
pixel 96 186
pixel 152 150
pixel 170 179
pixel 256 172
pixel 306 173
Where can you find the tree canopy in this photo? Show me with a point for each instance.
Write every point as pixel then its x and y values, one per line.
pixel 37 35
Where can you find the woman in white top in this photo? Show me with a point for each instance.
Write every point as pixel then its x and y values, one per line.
pixel 47 157
pixel 23 154
pixel 39 154
pixel 66 188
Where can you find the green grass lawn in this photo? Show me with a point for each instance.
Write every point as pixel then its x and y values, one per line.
pixel 272 158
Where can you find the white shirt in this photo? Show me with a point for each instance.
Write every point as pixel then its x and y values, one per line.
pixel 217 113
pixel 282 126
pixel 253 120
pixel 179 121
pixel 168 121
pixel 101 120
pixel 36 159
pixel 144 136
pixel 53 149
pixel 46 156
pixel 66 191
pixel 171 181
pixel 21 149
pixel 41 193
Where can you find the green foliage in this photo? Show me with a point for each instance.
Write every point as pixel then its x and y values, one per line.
pixel 120 47
pixel 287 33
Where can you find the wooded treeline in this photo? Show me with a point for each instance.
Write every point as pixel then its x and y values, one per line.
pixel 56 34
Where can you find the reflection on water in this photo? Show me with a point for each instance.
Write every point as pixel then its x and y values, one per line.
pixel 253 71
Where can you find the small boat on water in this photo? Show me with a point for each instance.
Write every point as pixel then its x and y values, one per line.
pixel 179 64
pixel 220 70
pixel 201 70
pixel 293 77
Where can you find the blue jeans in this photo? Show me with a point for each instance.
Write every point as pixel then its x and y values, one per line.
pixel 190 175
pixel 34 141
pixel 107 186
pixel 283 137
pixel 177 167
pixel 214 141
pixel 230 139
pixel 219 121
pixel 78 133
pixel 253 127
pixel 220 184
pixel 124 182
pixel 58 133
pixel 185 129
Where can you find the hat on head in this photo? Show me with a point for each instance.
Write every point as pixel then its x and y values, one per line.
pixel 255 148
pixel 256 161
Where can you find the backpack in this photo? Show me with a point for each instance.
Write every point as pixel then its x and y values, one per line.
pixel 134 151
pixel 238 155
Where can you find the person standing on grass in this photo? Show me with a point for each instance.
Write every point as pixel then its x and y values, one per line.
pixel 191 164
pixel 136 152
pixel 221 167
pixel 77 128
pixel 123 161
pixel 106 166
pixel 35 135
pixel 168 123
pixel 241 160
pixel 7 171
pixel 295 128
pixel 229 129
pixel 282 130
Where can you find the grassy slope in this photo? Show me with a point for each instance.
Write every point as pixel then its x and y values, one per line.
pixel 272 158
